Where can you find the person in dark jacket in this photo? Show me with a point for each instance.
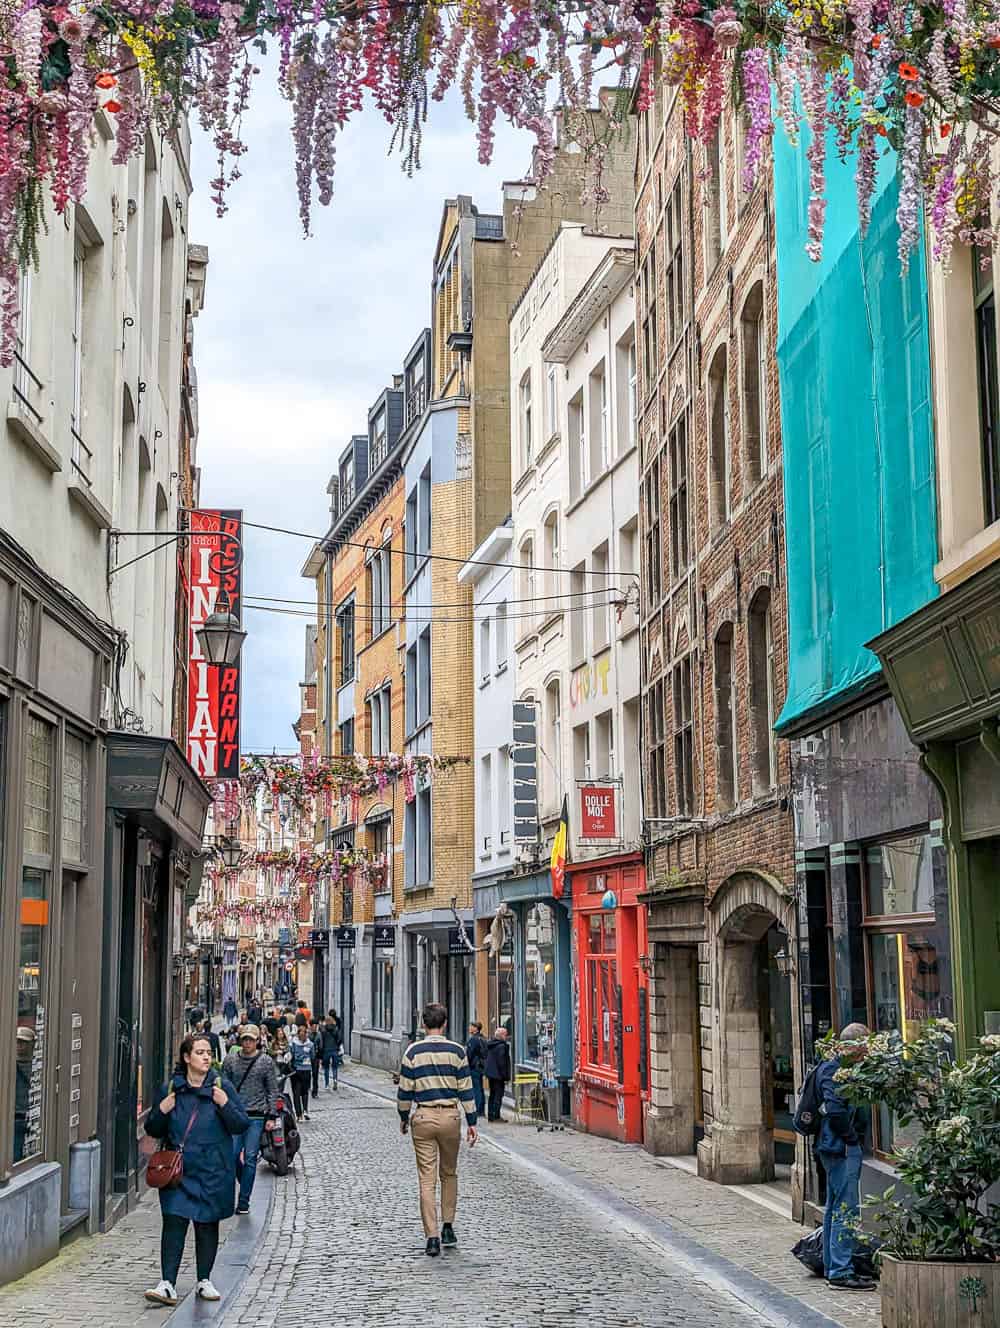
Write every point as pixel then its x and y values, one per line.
pixel 840 1147
pixel 230 1010
pixel 497 1071
pixel 255 1014
pixel 316 1038
pixel 199 1112
pixel 215 1042
pixel 256 1079
pixel 475 1054
pixel 332 1035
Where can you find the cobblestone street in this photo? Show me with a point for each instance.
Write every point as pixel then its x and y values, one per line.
pixel 545 1240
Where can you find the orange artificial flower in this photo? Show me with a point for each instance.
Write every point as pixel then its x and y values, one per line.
pixel 105 81
pixel 914 99
pixel 529 62
pixel 877 40
pixel 112 107
pixel 945 129
pixel 881 129
pixel 909 73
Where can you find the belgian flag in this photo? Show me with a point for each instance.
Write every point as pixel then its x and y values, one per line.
pixel 557 863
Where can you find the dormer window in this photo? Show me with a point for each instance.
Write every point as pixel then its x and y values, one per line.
pixel 379 441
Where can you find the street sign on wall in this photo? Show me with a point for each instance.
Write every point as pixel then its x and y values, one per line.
pixel 346 938
pixel 384 936
pixel 456 944
pixel 214 564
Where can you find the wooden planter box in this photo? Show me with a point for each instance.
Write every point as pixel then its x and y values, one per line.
pixel 940 1295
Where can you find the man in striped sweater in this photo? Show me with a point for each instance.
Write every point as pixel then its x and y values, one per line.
pixel 435 1084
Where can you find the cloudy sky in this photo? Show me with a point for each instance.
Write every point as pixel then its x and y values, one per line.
pixel 298 337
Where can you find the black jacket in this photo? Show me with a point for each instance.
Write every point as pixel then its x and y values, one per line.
pixel 498 1059
pixel 475 1052
pixel 333 1038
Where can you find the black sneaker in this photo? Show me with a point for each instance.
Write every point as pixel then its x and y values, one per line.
pixel 242 1209
pixel 433 1247
pixel 852 1283
pixel 448 1238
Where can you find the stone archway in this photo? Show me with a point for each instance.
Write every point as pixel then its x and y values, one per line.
pixel 738 1147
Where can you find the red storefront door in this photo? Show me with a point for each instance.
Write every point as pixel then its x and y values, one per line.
pixel 612 1056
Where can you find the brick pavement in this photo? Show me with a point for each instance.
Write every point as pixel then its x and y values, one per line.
pixel 555 1228
pixel 743 1232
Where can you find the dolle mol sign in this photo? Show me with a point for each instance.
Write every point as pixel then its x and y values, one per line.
pixel 598 813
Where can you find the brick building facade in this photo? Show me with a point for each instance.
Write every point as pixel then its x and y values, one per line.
pixel 719 833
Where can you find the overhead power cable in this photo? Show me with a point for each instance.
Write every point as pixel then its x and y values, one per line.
pixel 321 615
pixel 331 542
pixel 404 605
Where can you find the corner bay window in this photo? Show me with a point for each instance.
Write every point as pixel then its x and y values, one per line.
pixel 602 992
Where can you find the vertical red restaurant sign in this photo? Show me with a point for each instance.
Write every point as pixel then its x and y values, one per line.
pixel 213 737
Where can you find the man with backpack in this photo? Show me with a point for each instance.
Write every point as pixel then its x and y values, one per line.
pixel 252 1072
pixel 838 1130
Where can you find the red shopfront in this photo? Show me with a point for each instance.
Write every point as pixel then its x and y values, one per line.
pixel 611 1079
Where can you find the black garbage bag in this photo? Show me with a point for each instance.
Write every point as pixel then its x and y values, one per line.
pixel 809 1252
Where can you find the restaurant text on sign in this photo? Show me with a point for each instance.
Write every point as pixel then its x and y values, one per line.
pixel 215 564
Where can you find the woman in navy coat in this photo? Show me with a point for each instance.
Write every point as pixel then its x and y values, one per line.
pixel 199 1111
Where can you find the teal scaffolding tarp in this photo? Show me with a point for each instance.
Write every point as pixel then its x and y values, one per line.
pixel 854 365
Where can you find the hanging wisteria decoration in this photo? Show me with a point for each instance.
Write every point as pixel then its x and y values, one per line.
pixel 922 77
pixel 302 780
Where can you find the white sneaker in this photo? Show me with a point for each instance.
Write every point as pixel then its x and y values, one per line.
pixel 206 1290
pixel 162 1294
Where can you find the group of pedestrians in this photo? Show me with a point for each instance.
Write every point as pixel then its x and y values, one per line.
pixel 489 1061
pixel 215 1111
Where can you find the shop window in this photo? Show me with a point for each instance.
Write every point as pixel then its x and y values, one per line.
pixel 540 981
pixel 33 917
pixel 601 987
pixel 75 799
pixel 500 985
pixel 909 978
pixel 383 967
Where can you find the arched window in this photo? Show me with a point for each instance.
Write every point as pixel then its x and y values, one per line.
pixel 754 350
pixel 725 716
pixel 718 438
pixel 761 646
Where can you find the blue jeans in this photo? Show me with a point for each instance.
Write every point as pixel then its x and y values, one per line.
pixel 331 1062
pixel 249 1144
pixel 477 1088
pixel 843 1203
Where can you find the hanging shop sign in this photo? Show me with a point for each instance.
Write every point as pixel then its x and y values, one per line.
pixel 320 939
pixel 346 938
pixel 598 813
pixel 525 763
pixel 384 936
pixel 214 565
pixel 460 940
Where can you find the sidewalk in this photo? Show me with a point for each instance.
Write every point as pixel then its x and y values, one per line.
pixel 696 1218
pixel 98 1281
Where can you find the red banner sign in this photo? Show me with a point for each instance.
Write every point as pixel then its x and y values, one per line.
pixel 215 563
pixel 597 812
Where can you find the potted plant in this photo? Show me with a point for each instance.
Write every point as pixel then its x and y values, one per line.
pixel 941 1244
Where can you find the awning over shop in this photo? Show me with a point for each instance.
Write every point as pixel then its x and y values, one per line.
pixel 150 781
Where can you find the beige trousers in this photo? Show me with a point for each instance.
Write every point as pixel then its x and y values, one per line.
pixel 437 1136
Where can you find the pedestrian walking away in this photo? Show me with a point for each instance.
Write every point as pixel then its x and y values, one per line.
pixel 230 1011
pixel 497 1071
pixel 331 1045
pixel 435 1087
pixel 198 1112
pixel 256 1078
pixel 840 1148
pixel 475 1051
pixel 214 1041
pixel 303 1054
pixel 316 1038
pixel 255 1014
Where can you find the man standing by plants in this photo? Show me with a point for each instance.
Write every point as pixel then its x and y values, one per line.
pixel 840 1149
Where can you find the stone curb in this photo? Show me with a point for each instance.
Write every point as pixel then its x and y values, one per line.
pixel 778 1307
pixel 236 1256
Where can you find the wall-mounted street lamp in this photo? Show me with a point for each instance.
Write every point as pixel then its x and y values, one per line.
pixel 784 963
pixel 231 853
pixel 220 636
